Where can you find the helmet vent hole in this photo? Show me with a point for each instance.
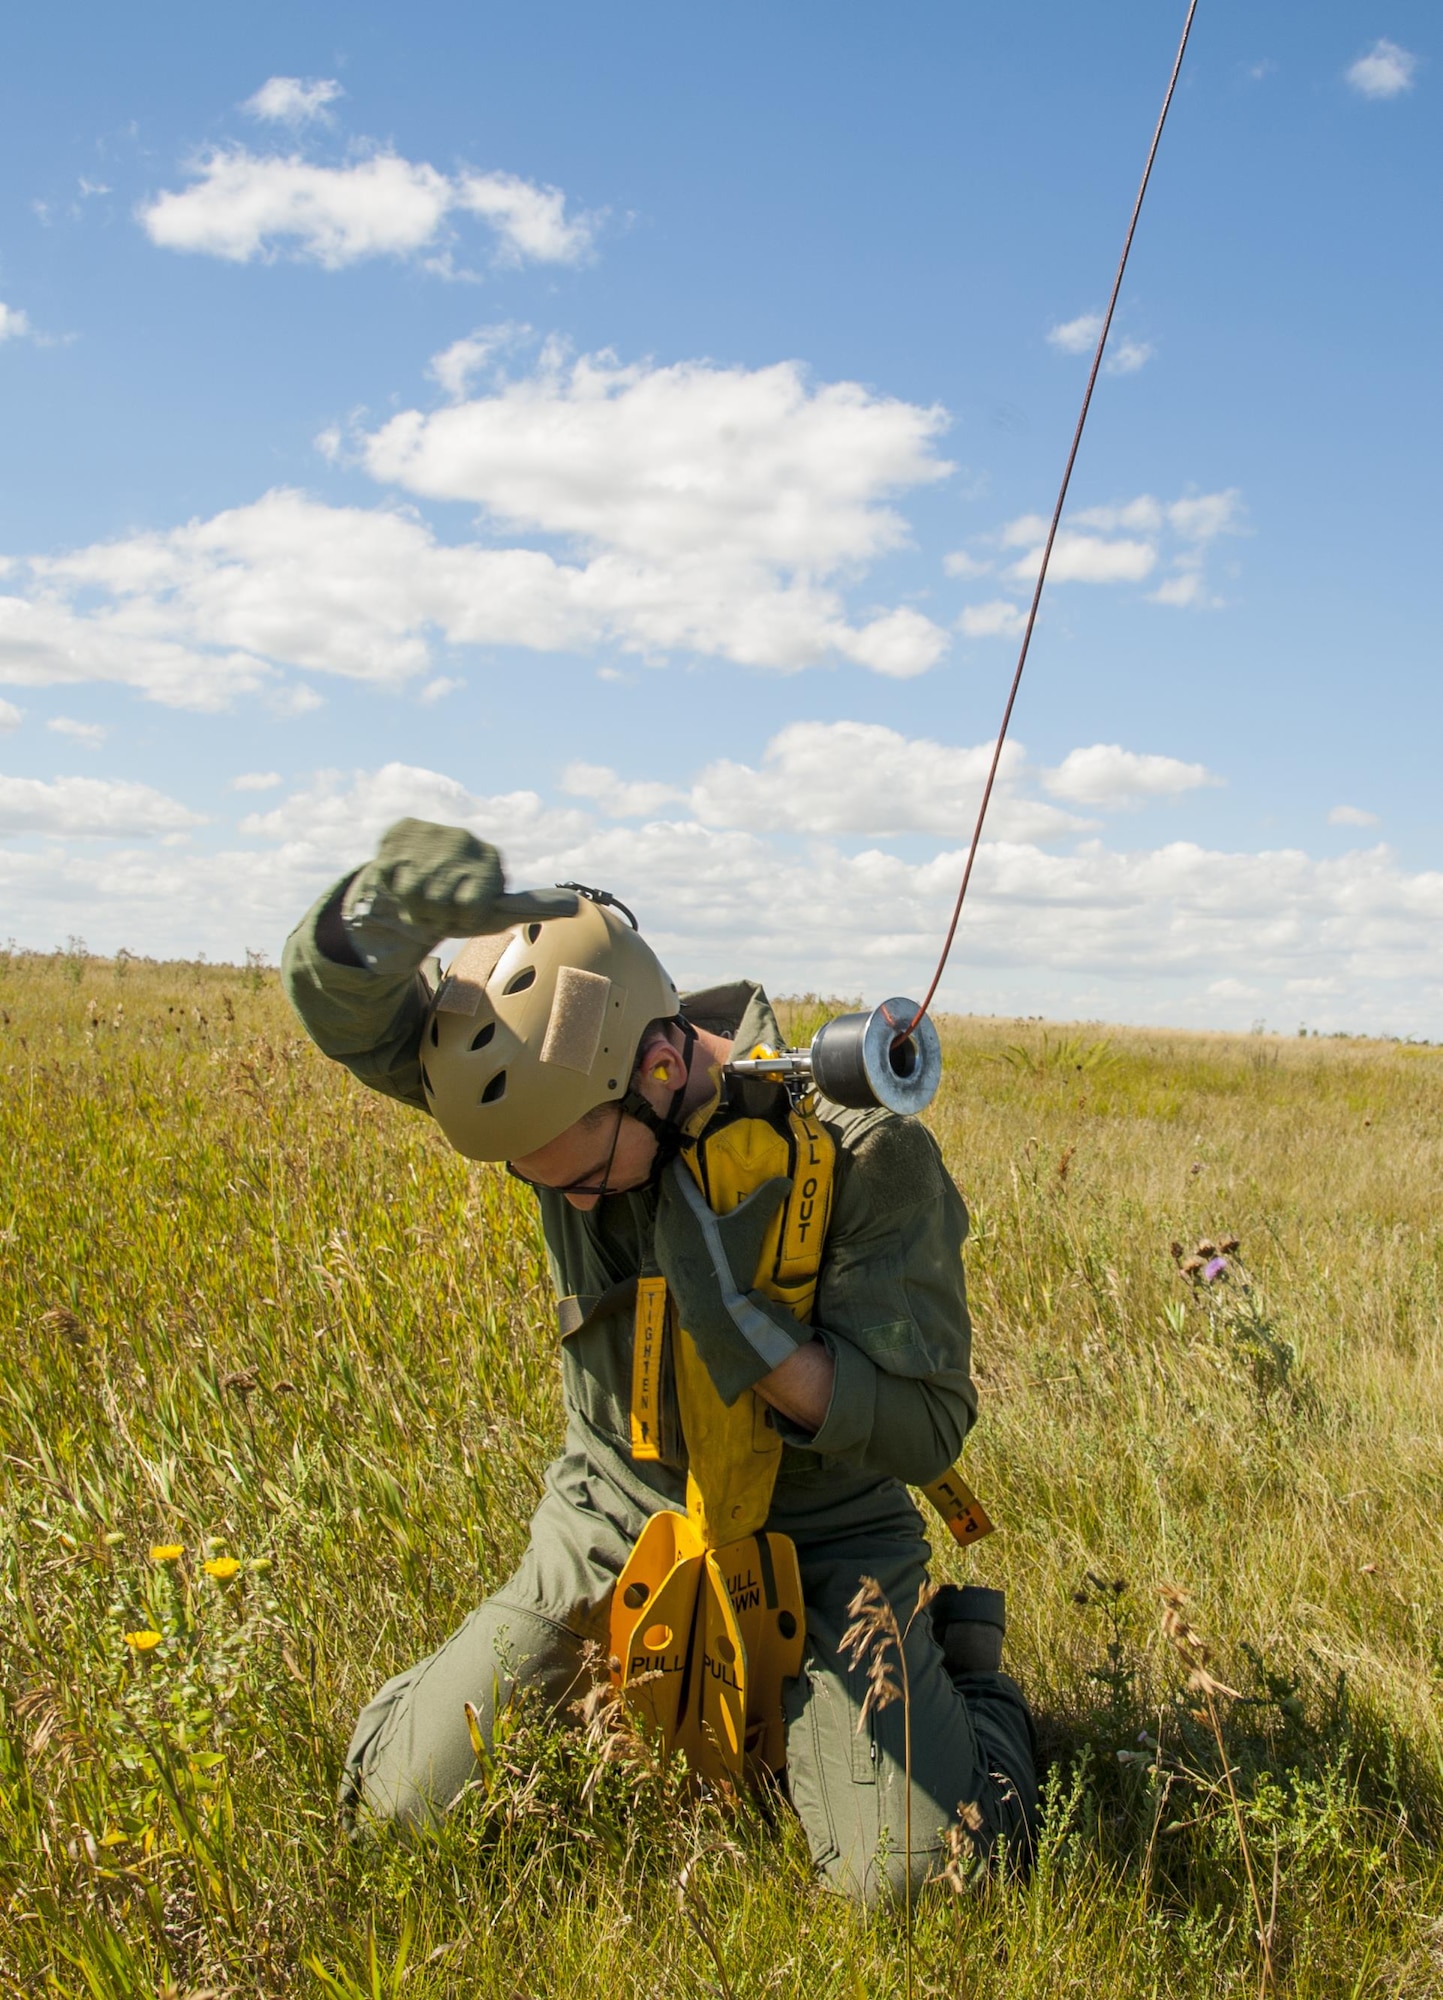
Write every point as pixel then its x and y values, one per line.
pixel 526 977
pixel 482 1036
pixel 495 1089
pixel 435 1033
pixel 533 931
pixel 429 1087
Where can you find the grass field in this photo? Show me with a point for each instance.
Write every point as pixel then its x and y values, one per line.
pixel 252 1315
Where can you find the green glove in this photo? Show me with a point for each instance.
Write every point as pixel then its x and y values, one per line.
pixel 709 1263
pixel 430 882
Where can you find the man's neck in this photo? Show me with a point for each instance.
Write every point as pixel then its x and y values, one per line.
pixel 709 1054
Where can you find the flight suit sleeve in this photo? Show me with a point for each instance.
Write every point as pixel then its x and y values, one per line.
pixel 892 1310
pixel 369 1021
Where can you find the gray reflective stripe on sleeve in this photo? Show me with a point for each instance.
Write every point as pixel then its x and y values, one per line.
pixel 761 1334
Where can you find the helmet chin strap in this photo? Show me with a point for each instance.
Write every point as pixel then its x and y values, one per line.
pixel 664 1126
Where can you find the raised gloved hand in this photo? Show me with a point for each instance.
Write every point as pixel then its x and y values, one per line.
pixel 430 882
pixel 709 1262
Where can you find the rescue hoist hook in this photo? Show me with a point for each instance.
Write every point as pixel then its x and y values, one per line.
pixel 859 1060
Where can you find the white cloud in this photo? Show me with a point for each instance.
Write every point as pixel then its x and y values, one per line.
pixel 530 221
pixel 438 689
pixel 91 734
pixel 1142 516
pixel 1180 590
pixel 1385 71
pixel 44 642
pixel 900 644
pixel 243 206
pixel 862 778
pixel 1233 989
pixel 256 781
pixel 1105 774
pixel 681 460
pixel 616 797
pixel 1123 542
pixel 286 100
pixel 1179 933
pixel 72 806
pixel 1087 559
pixel 457 365
pixel 1201 517
pixel 332 818
pixel 14 324
pixel 997 619
pixel 960 563
pixel 10 717
pixel 712 504
pixel 1351 816
pixel 297 699
pixel 1025 529
pixel 707 511
pixel 1076 336
pixel 194 617
pixel 1079 336
pixel 206 613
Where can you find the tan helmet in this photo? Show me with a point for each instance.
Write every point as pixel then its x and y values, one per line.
pixel 534 1027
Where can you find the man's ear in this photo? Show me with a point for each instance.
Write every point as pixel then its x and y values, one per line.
pixel 660 1070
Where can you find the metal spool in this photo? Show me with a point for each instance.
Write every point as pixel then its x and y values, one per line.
pixel 859 1060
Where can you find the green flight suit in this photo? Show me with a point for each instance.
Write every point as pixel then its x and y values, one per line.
pixel 891 1308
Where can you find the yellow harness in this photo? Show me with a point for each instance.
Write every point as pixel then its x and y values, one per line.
pixel 707 1619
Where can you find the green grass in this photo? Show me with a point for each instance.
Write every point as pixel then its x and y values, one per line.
pixel 253 1311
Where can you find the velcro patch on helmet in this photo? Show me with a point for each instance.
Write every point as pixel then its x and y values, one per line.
pixel 472 966
pixel 459 996
pixel 578 1015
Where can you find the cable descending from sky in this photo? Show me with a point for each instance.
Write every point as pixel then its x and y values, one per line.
pixel 906 1030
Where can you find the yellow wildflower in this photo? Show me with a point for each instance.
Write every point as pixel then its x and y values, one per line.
pixel 142 1642
pixel 222 1568
pixel 166 1552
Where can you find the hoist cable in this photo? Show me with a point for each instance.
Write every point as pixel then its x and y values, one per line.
pixel 1052 531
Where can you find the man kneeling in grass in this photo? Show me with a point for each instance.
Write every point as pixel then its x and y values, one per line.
pixel 558 1044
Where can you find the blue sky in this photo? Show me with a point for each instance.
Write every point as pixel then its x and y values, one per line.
pixel 623 431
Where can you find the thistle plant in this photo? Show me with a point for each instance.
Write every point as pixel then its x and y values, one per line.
pixel 1238 1319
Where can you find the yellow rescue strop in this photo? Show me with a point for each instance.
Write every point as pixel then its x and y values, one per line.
pixel 707 1619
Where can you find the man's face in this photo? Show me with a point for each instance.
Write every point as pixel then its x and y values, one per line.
pixel 613 1152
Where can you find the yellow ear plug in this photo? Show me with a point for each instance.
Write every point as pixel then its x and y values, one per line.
pixel 661 1074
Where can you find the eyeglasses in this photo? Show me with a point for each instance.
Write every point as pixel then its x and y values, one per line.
pixel 577 1187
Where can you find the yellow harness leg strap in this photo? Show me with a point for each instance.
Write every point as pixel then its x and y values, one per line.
pixel 707 1618
pixel 647 1343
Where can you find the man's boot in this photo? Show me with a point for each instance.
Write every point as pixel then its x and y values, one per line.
pixel 969 1621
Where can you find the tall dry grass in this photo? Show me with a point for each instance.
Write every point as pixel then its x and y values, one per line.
pixel 251 1313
